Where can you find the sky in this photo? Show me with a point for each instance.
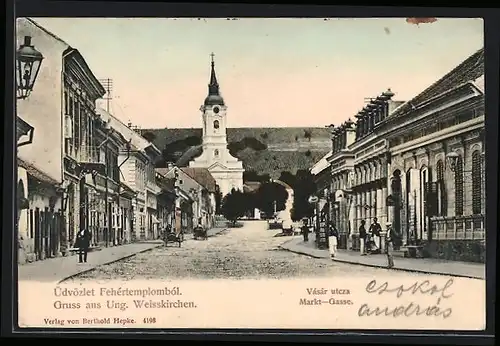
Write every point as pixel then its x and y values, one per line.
pixel 272 72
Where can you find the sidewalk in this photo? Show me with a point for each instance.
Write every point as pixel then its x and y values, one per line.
pixel 61 268
pixel 420 265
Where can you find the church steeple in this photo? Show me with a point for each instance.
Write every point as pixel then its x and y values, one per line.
pixel 214 97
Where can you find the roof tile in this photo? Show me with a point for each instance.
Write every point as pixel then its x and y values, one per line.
pixel 202 176
pixel 469 70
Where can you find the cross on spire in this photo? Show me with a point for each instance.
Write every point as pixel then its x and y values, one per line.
pixel 214 96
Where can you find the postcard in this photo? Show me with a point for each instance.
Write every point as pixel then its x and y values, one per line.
pixel 251 173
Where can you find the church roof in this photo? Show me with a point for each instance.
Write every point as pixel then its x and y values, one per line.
pixel 214 97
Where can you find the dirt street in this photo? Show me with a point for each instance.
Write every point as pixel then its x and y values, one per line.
pixel 247 252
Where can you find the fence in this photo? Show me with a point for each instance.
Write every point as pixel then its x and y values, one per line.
pixel 48 231
pixel 458 228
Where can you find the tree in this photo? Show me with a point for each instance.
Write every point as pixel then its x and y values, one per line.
pixel 287 178
pixel 304 188
pixel 149 136
pixel 270 194
pixel 307 135
pixel 235 205
pixel 218 200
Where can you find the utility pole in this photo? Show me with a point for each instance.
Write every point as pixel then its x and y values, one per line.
pixel 107 213
pixel 107 83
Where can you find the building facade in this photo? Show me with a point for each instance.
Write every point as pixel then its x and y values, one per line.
pixel 370 166
pixel 166 202
pixel 200 188
pixel 437 176
pixel 136 162
pixel 418 167
pixel 226 169
pixel 39 173
pixel 341 169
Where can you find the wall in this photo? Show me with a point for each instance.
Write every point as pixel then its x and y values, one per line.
pixel 43 108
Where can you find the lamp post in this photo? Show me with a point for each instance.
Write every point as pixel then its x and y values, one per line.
pixel 452 159
pixel 28 62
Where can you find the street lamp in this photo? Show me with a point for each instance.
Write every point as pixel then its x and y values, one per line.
pixel 453 160
pixel 28 62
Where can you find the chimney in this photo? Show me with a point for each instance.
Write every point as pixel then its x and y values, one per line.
pixel 393 105
pixel 170 165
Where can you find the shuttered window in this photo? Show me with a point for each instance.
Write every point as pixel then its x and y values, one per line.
pixel 476 182
pixel 459 187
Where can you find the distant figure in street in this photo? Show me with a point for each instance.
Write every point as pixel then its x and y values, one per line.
pixel 332 239
pixel 305 230
pixel 83 243
pixel 362 237
pixel 389 246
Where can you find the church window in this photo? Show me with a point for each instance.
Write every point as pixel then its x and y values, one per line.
pixel 216 124
pixel 476 182
pixel 216 153
pixel 459 188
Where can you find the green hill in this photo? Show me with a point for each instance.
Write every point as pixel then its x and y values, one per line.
pixel 262 150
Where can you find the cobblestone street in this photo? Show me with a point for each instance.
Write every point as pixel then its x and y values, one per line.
pixel 251 251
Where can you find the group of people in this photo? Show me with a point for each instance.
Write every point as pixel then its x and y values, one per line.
pixel 332 235
pixel 368 243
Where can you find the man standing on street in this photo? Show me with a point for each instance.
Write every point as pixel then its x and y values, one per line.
pixel 83 244
pixel 389 246
pixel 374 233
pixel 332 239
pixel 305 230
pixel 362 238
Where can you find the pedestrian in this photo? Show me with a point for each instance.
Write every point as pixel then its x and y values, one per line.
pixel 199 231
pixel 305 230
pixel 332 239
pixel 362 238
pixel 374 231
pixel 389 246
pixel 83 243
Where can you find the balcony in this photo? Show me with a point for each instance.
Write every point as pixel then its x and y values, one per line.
pixel 90 159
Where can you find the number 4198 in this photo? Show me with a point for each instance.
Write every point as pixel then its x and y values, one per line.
pixel 149 320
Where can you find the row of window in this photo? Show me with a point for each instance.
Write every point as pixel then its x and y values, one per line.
pixel 79 126
pixel 476 188
pixel 80 140
pixel 438 126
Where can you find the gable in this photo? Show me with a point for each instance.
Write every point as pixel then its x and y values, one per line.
pixel 217 166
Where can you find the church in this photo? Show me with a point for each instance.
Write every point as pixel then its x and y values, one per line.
pixel 225 168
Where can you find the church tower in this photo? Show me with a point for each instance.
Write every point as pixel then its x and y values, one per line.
pixel 226 169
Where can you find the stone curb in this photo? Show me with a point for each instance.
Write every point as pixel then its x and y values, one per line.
pixel 379 266
pixel 109 262
pixel 156 246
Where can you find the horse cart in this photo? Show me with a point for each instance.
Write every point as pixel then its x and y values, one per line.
pixel 172 237
pixel 200 233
